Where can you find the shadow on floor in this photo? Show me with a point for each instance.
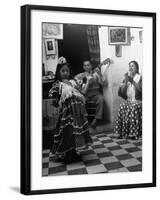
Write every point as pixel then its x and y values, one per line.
pixel 15 189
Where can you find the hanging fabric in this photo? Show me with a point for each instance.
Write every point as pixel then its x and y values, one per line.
pixel 93 44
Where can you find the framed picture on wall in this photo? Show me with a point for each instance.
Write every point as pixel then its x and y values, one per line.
pixel 51 30
pixel 50 46
pixel 118 35
pixel 72 135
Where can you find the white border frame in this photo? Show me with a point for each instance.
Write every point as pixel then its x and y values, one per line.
pixel 43 183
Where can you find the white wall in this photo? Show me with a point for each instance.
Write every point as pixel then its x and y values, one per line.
pixel 119 66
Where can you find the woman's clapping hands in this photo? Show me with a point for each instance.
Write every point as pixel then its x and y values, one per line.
pixel 128 78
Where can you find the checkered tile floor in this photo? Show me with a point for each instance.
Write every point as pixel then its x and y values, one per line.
pixel 107 154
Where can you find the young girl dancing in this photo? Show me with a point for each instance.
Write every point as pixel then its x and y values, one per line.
pixel 72 130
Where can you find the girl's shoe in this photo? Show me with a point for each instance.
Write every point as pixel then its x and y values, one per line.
pixel 94 123
pixel 72 157
pixel 59 159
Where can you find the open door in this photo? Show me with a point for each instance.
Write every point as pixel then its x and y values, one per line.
pixel 79 42
pixel 74 46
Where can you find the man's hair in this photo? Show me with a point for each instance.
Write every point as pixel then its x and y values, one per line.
pixel 86 60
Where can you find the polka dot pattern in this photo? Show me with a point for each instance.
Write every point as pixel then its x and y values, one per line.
pixel 129 120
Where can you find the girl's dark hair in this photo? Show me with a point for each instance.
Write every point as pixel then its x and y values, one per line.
pixel 59 67
pixel 136 65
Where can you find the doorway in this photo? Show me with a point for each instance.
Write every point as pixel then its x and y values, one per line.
pixel 74 46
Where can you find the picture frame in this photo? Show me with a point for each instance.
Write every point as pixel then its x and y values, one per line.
pixel 119 35
pixel 50 46
pixel 32 181
pixel 51 30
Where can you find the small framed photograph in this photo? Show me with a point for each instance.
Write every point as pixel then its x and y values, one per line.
pixel 85 125
pixel 50 46
pixel 52 30
pixel 118 35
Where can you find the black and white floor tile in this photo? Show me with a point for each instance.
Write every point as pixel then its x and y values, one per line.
pixel 107 154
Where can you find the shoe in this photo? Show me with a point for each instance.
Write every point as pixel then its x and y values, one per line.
pixel 58 159
pixel 94 123
pixel 72 157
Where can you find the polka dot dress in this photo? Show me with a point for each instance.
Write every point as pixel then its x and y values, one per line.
pixel 129 120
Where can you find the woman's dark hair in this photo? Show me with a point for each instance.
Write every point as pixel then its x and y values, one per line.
pixel 59 67
pixel 136 65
